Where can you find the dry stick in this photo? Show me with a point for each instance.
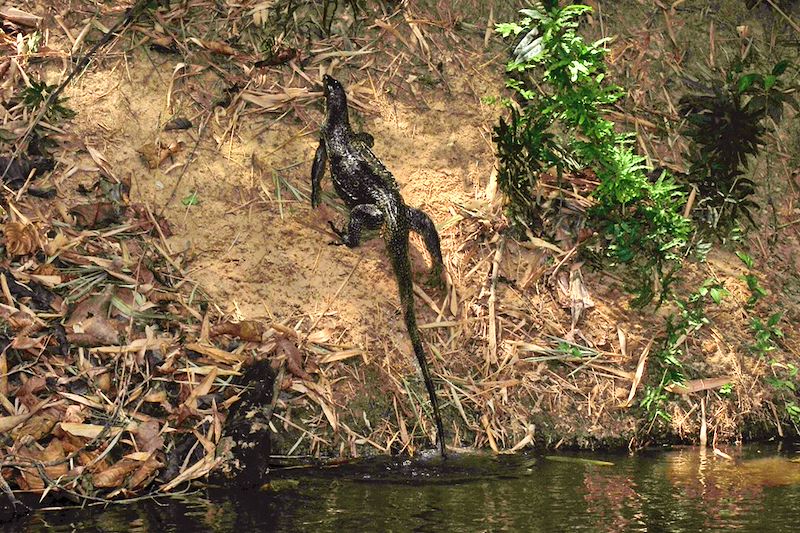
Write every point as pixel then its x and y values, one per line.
pixel 5 489
pixel 130 16
pixel 789 19
pixel 491 353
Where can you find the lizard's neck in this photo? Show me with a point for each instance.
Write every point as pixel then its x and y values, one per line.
pixel 337 124
pixel 337 118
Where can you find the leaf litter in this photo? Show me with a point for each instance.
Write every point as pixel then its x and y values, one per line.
pixel 118 369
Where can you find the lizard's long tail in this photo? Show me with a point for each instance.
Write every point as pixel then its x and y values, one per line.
pixel 398 251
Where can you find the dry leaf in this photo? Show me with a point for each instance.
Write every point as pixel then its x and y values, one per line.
pixel 148 437
pixel 145 472
pixel 57 243
pixel 200 468
pixel 7 423
pixel 21 239
pixel 96 215
pixel 94 331
pixel 38 427
pixel 579 295
pixel 87 325
pixel 3 375
pixel 201 390
pixel 247 330
pixel 640 366
pixel 101 161
pixel 92 431
pixel 697 385
pixel 18 16
pixel 294 359
pixel 114 476
pixel 341 356
pixel 216 354
pixel 320 336
pixel 275 101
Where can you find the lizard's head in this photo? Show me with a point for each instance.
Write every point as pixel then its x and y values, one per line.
pixel 334 93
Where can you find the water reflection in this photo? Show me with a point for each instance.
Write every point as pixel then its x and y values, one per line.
pixel 613 500
pixel 682 490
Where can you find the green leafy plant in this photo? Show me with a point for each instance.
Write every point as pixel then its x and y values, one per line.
pixel 191 199
pixel 793 410
pixel 756 290
pixel 557 122
pixel 690 318
pixel 727 120
pixel 32 42
pixel 785 382
pixel 765 333
pixel 36 95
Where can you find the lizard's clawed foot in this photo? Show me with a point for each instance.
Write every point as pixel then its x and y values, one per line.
pixel 435 279
pixel 342 235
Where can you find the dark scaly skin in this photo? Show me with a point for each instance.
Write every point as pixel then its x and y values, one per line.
pixel 372 194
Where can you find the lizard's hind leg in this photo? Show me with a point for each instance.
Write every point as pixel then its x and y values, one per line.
pixel 422 224
pixel 362 216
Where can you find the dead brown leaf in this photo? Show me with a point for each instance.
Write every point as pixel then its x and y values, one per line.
pixel 7 423
pixel 95 331
pixel 114 476
pixel 145 473
pixel 21 239
pixel 216 354
pixel 294 359
pixel 201 390
pixel 88 324
pixel 96 215
pixel 37 427
pixel 148 437
pixel 640 366
pixel 3 374
pixel 154 154
pixel 247 330
pixel 18 16
pixel 698 385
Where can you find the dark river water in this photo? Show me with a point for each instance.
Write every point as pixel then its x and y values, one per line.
pixel 674 490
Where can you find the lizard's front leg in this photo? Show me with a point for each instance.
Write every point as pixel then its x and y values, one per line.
pixel 362 216
pixel 365 138
pixel 317 171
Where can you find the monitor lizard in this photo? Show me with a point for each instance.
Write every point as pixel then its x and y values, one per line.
pixel 373 197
